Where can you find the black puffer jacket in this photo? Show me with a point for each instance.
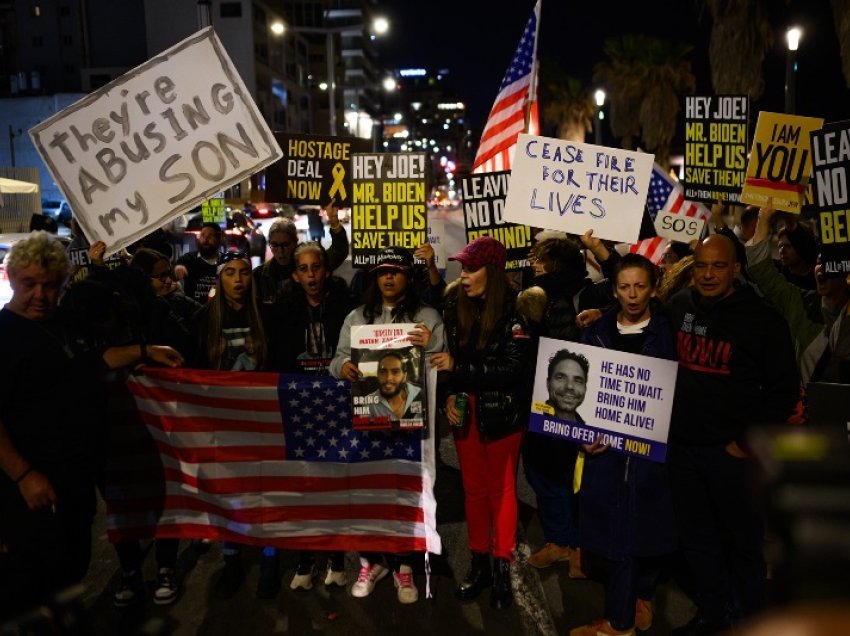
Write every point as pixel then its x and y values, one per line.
pixel 504 364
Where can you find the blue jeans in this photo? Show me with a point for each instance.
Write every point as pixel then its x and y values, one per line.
pixel 556 505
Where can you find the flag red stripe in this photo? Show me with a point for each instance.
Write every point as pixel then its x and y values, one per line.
pixel 509 103
pixel 271 514
pixel 218 378
pixel 506 126
pixel 250 400
pixel 223 454
pixel 677 202
pixel 504 146
pixel 272 483
pixel 343 542
pixel 199 424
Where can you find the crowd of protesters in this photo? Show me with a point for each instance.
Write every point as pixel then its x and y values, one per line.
pixel 772 327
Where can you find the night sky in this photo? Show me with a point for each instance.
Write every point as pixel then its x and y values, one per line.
pixel 476 39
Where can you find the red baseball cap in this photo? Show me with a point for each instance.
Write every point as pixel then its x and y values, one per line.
pixel 482 251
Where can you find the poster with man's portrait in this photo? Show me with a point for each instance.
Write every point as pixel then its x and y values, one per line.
pixel 390 393
pixel 584 393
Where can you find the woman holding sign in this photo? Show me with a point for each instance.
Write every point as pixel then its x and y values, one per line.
pixel 626 521
pixel 488 403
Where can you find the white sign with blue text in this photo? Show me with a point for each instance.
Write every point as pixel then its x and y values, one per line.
pixel 582 393
pixel 572 187
pixel 156 142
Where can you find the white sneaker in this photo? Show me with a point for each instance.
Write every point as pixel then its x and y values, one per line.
pixel 302 581
pixel 166 587
pixel 406 590
pixel 336 577
pixel 369 575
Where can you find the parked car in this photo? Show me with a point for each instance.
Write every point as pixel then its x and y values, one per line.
pixel 6 243
pixel 59 211
pixel 241 233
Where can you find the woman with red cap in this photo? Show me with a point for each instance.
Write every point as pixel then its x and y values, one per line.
pixel 489 362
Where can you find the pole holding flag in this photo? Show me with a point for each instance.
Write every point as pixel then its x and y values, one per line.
pixel 515 109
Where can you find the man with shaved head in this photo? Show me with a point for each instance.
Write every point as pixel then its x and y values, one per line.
pixel 736 369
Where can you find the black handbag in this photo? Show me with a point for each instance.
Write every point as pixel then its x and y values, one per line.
pixel 496 413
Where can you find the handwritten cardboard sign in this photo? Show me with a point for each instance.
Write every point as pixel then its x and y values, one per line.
pixel 831 180
pixel 155 142
pixel 715 147
pixel 572 187
pixel 678 227
pixel 388 204
pixel 483 215
pixel 627 398
pixel 780 161
pixel 313 169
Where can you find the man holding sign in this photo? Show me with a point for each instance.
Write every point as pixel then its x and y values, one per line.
pixel 736 369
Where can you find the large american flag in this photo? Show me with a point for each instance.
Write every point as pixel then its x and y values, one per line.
pixel 517 93
pixel 665 194
pixel 266 459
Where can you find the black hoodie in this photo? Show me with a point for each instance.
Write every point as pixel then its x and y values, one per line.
pixel 736 366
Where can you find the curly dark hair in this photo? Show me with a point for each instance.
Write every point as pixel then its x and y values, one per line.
pixel 566 354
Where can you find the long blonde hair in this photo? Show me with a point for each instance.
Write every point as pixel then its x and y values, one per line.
pixel 486 313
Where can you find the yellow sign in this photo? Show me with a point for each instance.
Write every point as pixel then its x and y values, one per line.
pixel 780 162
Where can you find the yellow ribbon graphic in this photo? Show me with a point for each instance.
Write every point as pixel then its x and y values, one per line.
pixel 338 186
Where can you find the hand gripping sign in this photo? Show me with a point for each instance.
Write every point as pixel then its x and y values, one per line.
pixel 155 142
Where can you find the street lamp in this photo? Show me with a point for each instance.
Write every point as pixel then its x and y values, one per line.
pixel 600 102
pixel 792 37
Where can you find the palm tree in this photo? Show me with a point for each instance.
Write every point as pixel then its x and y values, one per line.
pixel 645 78
pixel 740 39
pixel 567 106
pixel 841 16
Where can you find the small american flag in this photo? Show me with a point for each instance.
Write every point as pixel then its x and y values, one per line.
pixel 666 194
pixel 651 248
pixel 266 459
pixel 517 94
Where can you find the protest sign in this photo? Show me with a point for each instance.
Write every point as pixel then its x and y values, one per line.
pixel 388 204
pixel 212 210
pixel 313 169
pixel 780 162
pixel 483 215
pixel 625 398
pixel 389 393
pixel 155 142
pixel 81 264
pixel 715 147
pixel 436 237
pixel 572 187
pixel 831 159
pixel 678 227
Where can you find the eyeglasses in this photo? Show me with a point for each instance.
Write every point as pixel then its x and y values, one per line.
pixel 164 277
pixel 285 245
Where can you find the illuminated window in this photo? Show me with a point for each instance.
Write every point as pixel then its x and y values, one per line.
pixel 36 11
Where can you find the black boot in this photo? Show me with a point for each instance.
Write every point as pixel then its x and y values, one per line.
pixel 479 576
pixel 268 584
pixel 501 596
